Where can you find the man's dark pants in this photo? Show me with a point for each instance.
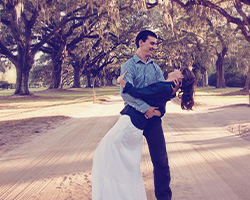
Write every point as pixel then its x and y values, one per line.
pixel 157 148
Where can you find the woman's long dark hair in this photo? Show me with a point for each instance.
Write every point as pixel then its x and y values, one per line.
pixel 187 89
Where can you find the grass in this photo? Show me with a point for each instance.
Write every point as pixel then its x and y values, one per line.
pixel 58 95
pixel 86 94
pixel 218 95
pixel 216 90
pixel 221 92
pixel 11 91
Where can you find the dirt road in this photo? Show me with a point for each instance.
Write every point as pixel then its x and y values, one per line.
pixel 208 160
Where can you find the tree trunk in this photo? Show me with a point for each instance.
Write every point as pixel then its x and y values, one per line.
pixel 22 78
pixel 57 60
pixel 204 79
pixel 23 66
pixel 247 85
pixel 109 81
pixel 56 75
pixel 88 81
pixel 102 81
pixel 220 72
pixel 77 83
pixel 97 82
pixel 94 89
pixel 203 72
pixel 58 57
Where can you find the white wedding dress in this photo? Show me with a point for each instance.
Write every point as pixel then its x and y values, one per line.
pixel 116 173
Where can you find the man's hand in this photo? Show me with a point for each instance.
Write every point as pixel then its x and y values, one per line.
pixel 150 112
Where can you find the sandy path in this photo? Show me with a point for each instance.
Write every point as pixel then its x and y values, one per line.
pixel 206 160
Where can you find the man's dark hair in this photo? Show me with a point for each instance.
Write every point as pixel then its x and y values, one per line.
pixel 143 35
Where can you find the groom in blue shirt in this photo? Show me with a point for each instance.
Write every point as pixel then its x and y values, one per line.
pixel 141 72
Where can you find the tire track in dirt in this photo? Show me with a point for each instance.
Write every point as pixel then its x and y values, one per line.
pixel 207 162
pixel 60 167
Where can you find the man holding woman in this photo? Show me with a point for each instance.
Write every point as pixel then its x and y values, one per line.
pixel 116 168
pixel 141 72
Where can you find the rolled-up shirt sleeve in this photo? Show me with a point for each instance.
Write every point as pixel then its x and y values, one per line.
pixel 136 103
pixel 159 74
pixel 160 77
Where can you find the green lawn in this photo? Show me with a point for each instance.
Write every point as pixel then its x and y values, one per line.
pixel 58 95
pixel 11 91
pixel 221 95
pixel 216 90
pixel 86 94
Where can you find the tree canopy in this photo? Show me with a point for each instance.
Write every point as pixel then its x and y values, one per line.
pixel 83 37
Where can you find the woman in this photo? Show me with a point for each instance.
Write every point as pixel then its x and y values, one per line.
pixel 116 171
pixel 158 94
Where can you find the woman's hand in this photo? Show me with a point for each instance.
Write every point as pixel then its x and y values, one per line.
pixel 157 113
pixel 176 87
pixel 120 79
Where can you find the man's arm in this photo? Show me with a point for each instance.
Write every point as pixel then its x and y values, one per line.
pixel 160 77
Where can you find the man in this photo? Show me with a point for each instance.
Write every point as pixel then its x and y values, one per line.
pixel 142 71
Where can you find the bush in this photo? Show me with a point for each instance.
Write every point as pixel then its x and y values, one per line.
pixel 212 79
pixel 233 76
pixel 4 85
pixel 235 79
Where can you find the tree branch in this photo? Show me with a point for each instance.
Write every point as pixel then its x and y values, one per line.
pixel 6 22
pixel 245 2
pixel 241 24
pixel 71 46
pixel 4 50
pixel 64 21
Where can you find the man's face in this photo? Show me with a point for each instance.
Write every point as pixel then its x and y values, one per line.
pixel 148 46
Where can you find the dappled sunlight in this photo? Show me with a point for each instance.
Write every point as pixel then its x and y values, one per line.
pixel 76 110
pixel 100 110
pixel 40 169
pixel 205 154
pixel 200 147
pixel 199 150
pixel 190 136
pixel 200 166
pixel 205 148
pixel 66 150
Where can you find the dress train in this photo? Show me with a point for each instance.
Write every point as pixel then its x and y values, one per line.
pixel 116 173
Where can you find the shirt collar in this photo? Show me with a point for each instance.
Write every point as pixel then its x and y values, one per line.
pixel 137 59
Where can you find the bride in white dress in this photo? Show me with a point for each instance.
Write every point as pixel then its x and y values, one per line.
pixel 116 173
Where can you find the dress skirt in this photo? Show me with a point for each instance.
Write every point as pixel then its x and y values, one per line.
pixel 116 173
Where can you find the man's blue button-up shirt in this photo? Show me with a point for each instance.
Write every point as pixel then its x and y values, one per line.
pixel 140 74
